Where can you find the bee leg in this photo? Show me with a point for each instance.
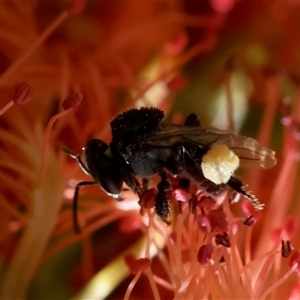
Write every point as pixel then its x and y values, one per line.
pixel 145 184
pixel 179 158
pixel 129 178
pixel 178 161
pixel 133 183
pixel 78 186
pixel 239 187
pixel 75 203
pixel 184 183
pixel 192 120
pixel 174 162
pixel 162 205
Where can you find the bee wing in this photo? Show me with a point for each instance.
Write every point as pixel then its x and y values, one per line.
pixel 249 151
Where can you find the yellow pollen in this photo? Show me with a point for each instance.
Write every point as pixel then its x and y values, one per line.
pixel 219 163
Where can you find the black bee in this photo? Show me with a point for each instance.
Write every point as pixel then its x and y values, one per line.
pixel 143 145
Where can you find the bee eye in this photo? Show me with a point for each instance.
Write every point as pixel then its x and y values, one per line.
pixel 219 163
pixel 103 168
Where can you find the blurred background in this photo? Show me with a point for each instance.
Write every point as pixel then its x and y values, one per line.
pixel 236 64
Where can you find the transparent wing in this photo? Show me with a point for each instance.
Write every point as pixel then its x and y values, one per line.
pixel 250 152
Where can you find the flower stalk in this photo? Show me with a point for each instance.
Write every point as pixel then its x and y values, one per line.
pixel 40 222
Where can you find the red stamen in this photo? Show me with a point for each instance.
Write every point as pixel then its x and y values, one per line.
pixel 222 7
pixel 234 228
pixel 71 101
pixel 295 292
pixel 207 203
pixel 286 248
pixel 148 198
pixel 23 93
pixel 249 210
pixel 295 261
pixel 250 221
pixel 289 228
pixel 223 240
pixel 204 254
pixel 286 110
pixel 77 7
pixel 182 195
pixel 177 83
pixel 218 219
pixel 275 235
pixel 204 223
pixel 295 129
pixel 177 43
pixel 183 245
pixel 6 107
pixel 137 265
pixel 193 204
pixel 129 224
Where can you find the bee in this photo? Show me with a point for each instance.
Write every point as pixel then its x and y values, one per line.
pixel 143 145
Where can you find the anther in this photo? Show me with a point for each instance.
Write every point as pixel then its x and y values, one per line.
pixel 286 248
pixel 22 95
pixel 250 221
pixel 204 254
pixel 223 240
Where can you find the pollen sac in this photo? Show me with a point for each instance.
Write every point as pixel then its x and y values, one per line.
pixel 250 221
pixel 219 163
pixel 137 265
pixel 23 93
pixel 223 240
pixel 286 248
pixel 204 223
pixel 204 254
pixel 71 101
